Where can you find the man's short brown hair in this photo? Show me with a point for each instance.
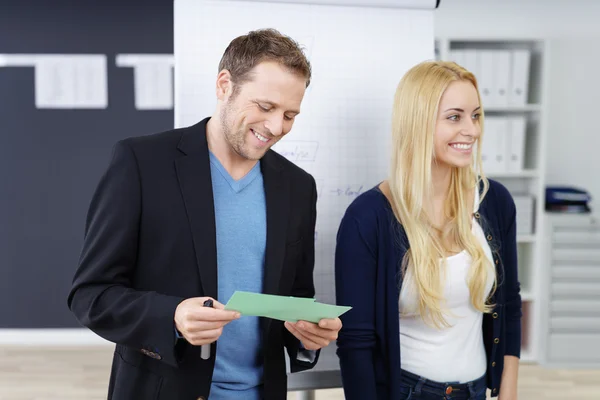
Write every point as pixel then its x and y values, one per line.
pixel 247 51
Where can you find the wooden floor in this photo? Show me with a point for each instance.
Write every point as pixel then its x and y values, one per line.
pixel 82 374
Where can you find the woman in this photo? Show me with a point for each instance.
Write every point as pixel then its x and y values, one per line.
pixel 428 258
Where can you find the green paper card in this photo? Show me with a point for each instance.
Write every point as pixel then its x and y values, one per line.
pixel 283 308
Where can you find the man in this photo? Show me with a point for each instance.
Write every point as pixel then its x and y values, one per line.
pixel 193 214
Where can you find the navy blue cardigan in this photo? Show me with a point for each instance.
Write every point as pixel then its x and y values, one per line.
pixel 369 251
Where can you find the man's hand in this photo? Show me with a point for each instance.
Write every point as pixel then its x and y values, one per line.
pixel 202 325
pixel 315 336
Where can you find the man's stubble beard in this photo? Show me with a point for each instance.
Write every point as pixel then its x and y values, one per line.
pixel 235 140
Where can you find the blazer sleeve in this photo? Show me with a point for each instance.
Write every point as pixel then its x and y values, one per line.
pixel 102 297
pixel 355 281
pixel 513 305
pixel 300 358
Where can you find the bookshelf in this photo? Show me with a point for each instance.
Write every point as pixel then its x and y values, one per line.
pixel 494 61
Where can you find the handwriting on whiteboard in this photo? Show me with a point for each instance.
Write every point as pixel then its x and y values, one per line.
pixel 297 150
pixel 348 190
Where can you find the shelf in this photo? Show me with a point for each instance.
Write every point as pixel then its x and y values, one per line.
pixel 527 356
pixel 524 108
pixel 526 238
pixel 526 295
pixel 526 173
pixel 530 181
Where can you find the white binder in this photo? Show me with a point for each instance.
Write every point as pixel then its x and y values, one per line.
pixel 494 72
pixel 471 61
pixel 458 56
pixel 524 203
pixel 501 77
pixel 485 142
pixel 468 59
pixel 519 85
pixel 494 149
pixel 516 143
pixel 486 77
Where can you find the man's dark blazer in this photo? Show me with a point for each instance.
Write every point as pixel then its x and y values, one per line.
pixel 150 243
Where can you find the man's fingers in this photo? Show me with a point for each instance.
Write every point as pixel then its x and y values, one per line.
pixel 195 310
pixel 207 334
pixel 319 340
pixel 197 326
pixel 308 328
pixel 204 337
pixel 199 302
pixel 290 327
pixel 214 314
pixel 310 341
pixel 218 306
pixel 202 324
pixel 334 324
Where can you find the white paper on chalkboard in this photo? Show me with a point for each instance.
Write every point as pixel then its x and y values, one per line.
pixel 153 79
pixel 65 81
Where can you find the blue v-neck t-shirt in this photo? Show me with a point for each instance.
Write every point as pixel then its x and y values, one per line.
pixel 240 216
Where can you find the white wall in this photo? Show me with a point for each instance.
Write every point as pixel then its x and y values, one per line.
pixel 574 129
pixel 573 29
pixel 518 18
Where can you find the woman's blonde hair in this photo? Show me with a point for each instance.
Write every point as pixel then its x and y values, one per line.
pixel 414 116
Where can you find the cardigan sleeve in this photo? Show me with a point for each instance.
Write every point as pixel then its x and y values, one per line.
pixel 355 275
pixel 513 310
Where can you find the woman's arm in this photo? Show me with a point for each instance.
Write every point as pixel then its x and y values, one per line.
pixel 513 309
pixel 512 287
pixel 508 387
pixel 355 274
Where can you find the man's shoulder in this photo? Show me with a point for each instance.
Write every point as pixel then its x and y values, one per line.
pixel 155 140
pixel 168 143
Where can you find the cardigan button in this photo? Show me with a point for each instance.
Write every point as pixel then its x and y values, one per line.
pixel 496 340
pixel 477 215
pixel 495 391
pixel 496 261
pixel 489 237
pixel 495 315
pixel 493 363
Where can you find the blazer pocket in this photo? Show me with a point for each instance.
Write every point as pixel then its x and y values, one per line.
pixel 134 382
pixel 294 242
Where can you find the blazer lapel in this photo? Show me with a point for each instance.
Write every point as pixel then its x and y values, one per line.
pixel 193 174
pixel 277 196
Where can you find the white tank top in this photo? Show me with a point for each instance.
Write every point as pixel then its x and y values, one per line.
pixel 456 353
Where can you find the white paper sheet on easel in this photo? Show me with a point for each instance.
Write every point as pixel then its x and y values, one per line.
pixel 358 56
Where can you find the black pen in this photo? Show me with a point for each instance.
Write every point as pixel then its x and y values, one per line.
pixel 205 349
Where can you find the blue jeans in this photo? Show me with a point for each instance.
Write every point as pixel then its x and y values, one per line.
pixel 416 387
